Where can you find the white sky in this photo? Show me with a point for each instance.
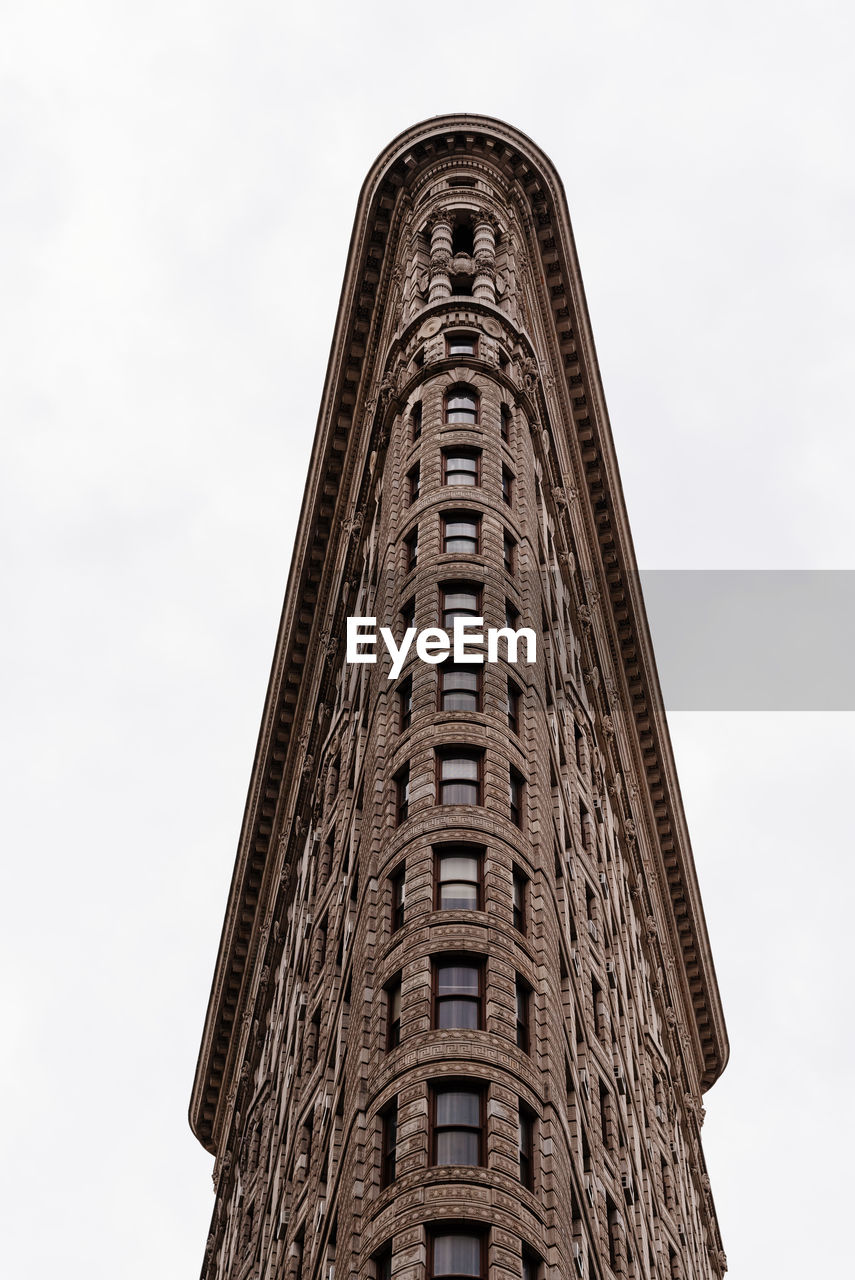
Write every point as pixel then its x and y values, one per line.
pixel 177 187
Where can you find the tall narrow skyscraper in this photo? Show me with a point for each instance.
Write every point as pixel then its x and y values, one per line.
pixel 464 1009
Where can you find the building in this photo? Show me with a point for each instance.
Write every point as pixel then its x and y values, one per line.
pixel 464 1008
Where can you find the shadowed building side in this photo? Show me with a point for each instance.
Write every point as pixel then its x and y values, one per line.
pixel 464 1008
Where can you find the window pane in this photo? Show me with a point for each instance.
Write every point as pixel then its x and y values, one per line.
pixel 456 1254
pixel 461 344
pixel 459 793
pixel 458 1107
pixel 458 867
pixel 460 603
pixel 457 1146
pixel 458 1015
pixel 457 979
pixel 461 469
pixel 459 767
pixel 458 897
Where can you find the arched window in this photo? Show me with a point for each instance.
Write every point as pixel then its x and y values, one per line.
pixel 461 405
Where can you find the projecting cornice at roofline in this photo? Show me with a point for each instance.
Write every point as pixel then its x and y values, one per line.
pixel 304 656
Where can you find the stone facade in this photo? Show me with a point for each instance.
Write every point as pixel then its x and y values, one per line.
pixel 464 1008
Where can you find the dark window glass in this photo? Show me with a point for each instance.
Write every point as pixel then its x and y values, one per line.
pixel 462 344
pixel 513 706
pixel 383 1263
pixel 508 553
pixel 411 542
pixel 460 533
pixel 414 478
pixel 505 422
pixel 530 1265
pixel 460 778
pixel 461 405
pixel 459 687
pixel 458 995
pixel 460 600
pixel 523 1004
pixel 457 1125
pixel 408 614
pixel 526 1147
pixel 405 703
pixel 461 467
pixel 458 879
pixel 416 420
pixel 520 892
pixel 512 616
pixel 456 1254
pixel 399 897
pixel 507 486
pixel 515 796
pixel 390 1143
pixel 393 1013
pixel 402 794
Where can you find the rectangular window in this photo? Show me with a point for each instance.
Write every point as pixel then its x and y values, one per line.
pixel 389 1137
pixel 505 422
pixel 414 482
pixel 515 793
pixel 383 1263
pixel 520 890
pixel 405 704
pixel 458 878
pixel 411 543
pixel 531 1265
pixel 402 794
pixel 408 615
pixel 457 1253
pixel 459 687
pixel 461 533
pixel 507 486
pixel 458 994
pixel 522 994
pixel 416 421
pixel 398 885
pixel 461 344
pixel 513 706
pixel 393 1012
pixel 459 776
pixel 461 467
pixel 459 600
pixel 458 1125
pixel 512 616
pixel 526 1147
pixel 509 547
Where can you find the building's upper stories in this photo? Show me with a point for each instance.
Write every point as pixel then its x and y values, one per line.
pixel 464 975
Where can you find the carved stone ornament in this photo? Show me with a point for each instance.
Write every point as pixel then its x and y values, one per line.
pixel 651 926
pixel 592 677
pixel 671 1017
pixel 609 731
pixel 559 497
pixel 722 1259
pixel 629 831
pixel 441 215
pixel 440 260
pixel 584 617
pixel 568 560
pixel 430 327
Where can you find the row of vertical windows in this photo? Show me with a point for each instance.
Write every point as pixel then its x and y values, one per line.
pixel 458 1253
pixel 459 780
pixel 462 404
pixel 457 1124
pixel 460 468
pixel 457 984
pixel 458 689
pixel 460 534
pixel 459 885
pixel 458 600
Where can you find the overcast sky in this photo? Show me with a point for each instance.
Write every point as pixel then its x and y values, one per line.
pixel 177 188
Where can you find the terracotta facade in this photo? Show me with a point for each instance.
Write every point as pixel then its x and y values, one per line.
pixel 464 1009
